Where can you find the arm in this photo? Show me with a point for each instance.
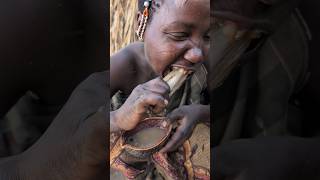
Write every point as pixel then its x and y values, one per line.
pixel 124 76
pixel 122 70
pixel 119 65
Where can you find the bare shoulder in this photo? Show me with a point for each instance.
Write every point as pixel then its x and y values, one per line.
pixel 124 67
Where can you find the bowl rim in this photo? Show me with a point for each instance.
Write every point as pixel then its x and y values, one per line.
pixel 163 139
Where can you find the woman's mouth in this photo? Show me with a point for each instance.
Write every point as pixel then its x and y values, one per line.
pixel 176 78
pixel 187 66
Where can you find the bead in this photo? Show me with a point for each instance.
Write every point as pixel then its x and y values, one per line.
pixel 146 4
pixel 145 12
pixel 143 22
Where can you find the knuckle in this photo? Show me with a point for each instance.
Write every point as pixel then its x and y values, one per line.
pixel 177 112
pixel 139 87
pixel 165 84
pixel 152 82
pixel 183 110
pixel 159 98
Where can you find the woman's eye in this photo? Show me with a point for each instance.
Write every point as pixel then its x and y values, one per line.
pixel 178 36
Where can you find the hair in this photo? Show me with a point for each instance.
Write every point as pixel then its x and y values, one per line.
pixel 156 4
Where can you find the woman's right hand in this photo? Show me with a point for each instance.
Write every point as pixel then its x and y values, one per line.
pixel 152 95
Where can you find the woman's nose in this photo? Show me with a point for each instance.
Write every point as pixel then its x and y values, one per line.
pixel 194 55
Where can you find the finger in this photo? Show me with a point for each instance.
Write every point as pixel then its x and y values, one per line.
pixel 175 115
pixel 159 81
pixel 162 92
pixel 156 101
pixel 176 141
pixel 159 86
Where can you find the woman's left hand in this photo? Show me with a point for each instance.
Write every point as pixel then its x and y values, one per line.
pixel 187 118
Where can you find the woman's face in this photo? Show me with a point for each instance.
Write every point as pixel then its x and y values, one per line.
pixel 178 34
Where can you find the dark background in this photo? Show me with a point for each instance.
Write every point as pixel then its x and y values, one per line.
pixel 47 48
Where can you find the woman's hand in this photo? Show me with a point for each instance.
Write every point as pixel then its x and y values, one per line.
pixel 187 118
pixel 75 144
pixel 152 95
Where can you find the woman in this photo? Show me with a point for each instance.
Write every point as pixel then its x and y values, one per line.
pixel 176 32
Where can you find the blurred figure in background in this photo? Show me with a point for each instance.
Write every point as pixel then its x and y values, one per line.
pixel 47 48
pixel 258 69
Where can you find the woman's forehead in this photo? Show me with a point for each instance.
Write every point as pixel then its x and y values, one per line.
pixel 186 11
pixel 187 16
pixel 181 3
pixel 187 5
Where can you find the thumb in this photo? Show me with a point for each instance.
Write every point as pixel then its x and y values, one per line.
pixel 175 115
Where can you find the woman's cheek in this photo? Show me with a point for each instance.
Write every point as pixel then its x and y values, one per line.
pixel 164 56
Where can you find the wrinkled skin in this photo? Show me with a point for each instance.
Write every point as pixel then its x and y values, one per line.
pixel 153 93
pixel 178 34
pixel 175 35
pixel 74 145
pixel 188 117
pixel 191 44
pixel 81 141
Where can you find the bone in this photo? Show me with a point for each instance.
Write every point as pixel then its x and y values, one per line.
pixel 176 78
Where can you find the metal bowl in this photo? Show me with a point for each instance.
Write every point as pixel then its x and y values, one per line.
pixel 145 152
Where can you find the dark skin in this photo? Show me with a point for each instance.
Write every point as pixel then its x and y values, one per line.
pixel 177 34
pixel 45 52
pixel 74 145
pixel 280 158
